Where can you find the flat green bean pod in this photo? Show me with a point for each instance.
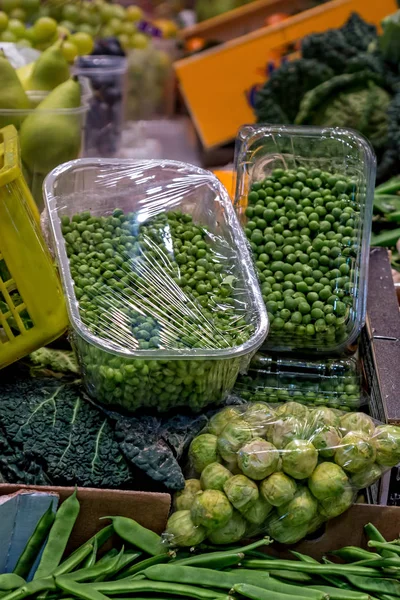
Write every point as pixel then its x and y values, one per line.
pixel 133 533
pixel 256 593
pixel 10 581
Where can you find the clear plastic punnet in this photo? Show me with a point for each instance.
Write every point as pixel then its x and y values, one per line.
pixel 304 197
pixel 336 383
pixel 162 296
pixel 282 470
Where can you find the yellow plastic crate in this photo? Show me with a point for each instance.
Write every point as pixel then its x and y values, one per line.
pixel 32 306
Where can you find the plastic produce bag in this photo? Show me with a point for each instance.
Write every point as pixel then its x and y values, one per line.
pixel 164 304
pixel 279 469
pixel 334 383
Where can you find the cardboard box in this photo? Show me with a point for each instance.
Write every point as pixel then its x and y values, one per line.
pixel 149 509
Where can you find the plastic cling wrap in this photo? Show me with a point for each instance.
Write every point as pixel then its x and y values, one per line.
pixel 164 304
pixel 304 196
pixel 334 383
pixel 279 469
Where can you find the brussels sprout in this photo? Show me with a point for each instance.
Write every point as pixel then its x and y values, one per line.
pixel 260 416
pixel 299 459
pixel 324 416
pixel 230 533
pixel 258 459
pixel 258 511
pixel 301 509
pixel 292 409
pixel 326 439
pixel 241 491
pixel 278 489
pixel 285 430
pixel 328 481
pixel 316 523
pixel 366 477
pixel 359 422
pixel 233 437
pixel 355 452
pixel 332 508
pixel 211 509
pixel 222 418
pixel 387 443
pixel 183 500
pixel 203 451
pixel 281 531
pixel 214 476
pixel 181 531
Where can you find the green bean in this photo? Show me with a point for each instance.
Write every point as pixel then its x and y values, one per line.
pixel 90 561
pixel 35 543
pixel 216 579
pixel 387 597
pixel 393 548
pixel 73 561
pixel 125 560
pixel 291 576
pixel 375 535
pixel 354 554
pixel 124 586
pixel 221 559
pixel 58 537
pixel 256 593
pixel 335 581
pixel 10 581
pixel 269 583
pixel 313 569
pixel 110 554
pixel 386 238
pixel 30 589
pixel 141 566
pixel 133 533
pixel 375 585
pixel 340 594
pixel 78 590
pixel 100 569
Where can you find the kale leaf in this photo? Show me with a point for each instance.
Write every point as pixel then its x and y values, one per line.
pixel 50 434
pixel 279 99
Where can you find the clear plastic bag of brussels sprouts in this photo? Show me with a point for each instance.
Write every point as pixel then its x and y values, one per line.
pixel 164 304
pixel 282 470
pixel 336 383
pixel 304 197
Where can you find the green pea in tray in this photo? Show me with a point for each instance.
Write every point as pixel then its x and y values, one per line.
pixel 304 197
pixel 332 383
pixel 164 303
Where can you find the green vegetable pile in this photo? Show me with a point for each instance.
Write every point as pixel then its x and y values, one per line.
pixel 284 470
pixel 386 221
pixel 332 383
pixel 346 77
pixel 162 284
pixel 302 226
pixel 143 567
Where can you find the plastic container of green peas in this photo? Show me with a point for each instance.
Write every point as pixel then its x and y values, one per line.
pixel 164 304
pixel 304 198
pixel 336 383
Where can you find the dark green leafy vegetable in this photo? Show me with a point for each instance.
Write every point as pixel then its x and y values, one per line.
pixel 389 41
pixel 273 103
pixel 353 100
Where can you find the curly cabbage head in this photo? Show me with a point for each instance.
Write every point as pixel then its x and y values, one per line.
pixel 259 415
pixel 203 451
pixel 284 430
pixel 222 418
pixel 301 509
pixel 278 489
pixel 233 437
pixel 326 439
pixel 366 477
pixel 328 481
pixel 292 409
pixel 323 416
pixel 211 509
pixel 280 530
pixel 241 491
pixel 181 531
pixel 183 499
pixel 230 533
pixel 356 452
pixel 299 459
pixel 258 459
pixel 387 444
pixel 258 511
pixel 330 509
pixel 214 476
pixel 357 422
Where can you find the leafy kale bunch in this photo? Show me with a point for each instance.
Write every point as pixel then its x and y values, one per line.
pixel 347 77
pixel 51 434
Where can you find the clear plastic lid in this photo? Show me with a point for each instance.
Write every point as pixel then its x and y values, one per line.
pixel 153 260
pixel 304 197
